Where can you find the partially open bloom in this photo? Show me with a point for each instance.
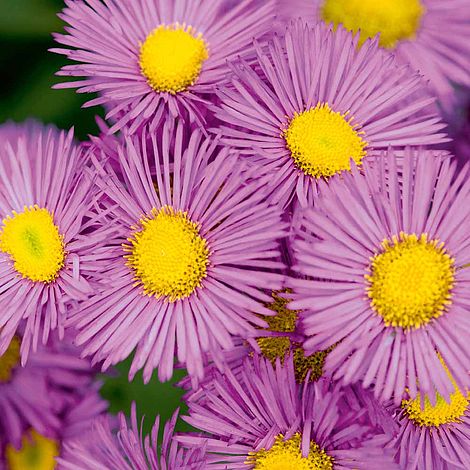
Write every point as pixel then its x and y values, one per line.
pixel 43 393
pixel 189 246
pixel 314 105
pixel 384 258
pixel 44 199
pixel 433 436
pixel 125 448
pixel 149 59
pixel 431 35
pixel 263 419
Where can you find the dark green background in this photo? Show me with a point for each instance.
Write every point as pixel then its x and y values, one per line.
pixel 27 74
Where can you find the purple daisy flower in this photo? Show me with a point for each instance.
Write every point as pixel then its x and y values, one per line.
pixel 40 450
pixel 148 58
pixel 263 419
pixel 189 245
pixel 44 198
pixel 314 108
pixel 433 436
pixel 384 256
pixel 58 378
pixel 431 35
pixel 128 449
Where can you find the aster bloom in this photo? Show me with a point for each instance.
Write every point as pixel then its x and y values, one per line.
pixel 431 35
pixel 264 419
pixel 40 451
pixel 148 59
pixel 317 104
pixel 44 198
pixel 384 256
pixel 189 244
pixel 39 395
pixel 124 447
pixel 433 436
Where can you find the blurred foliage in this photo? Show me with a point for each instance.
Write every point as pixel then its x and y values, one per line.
pixel 27 74
pixel 28 68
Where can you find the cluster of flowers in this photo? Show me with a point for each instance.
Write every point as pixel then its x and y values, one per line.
pixel 273 205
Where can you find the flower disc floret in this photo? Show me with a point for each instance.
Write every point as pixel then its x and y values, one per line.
pixel 168 255
pixel 410 280
pixel 34 244
pixel 287 455
pixel 394 20
pixel 322 142
pixel 172 56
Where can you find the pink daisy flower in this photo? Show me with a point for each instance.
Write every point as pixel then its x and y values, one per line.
pixel 433 436
pixel 189 245
pixel 431 35
pixel 44 198
pixel 150 58
pixel 39 395
pixel 263 419
pixel 315 103
pixel 384 259
pixel 128 449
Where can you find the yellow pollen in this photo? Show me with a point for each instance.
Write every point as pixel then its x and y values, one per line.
pixel 34 244
pixel 172 56
pixel 442 412
pixel 277 347
pixel 10 359
pixel 37 453
pixel 410 281
pixel 168 255
pixel 287 455
pixel 323 142
pixel 395 20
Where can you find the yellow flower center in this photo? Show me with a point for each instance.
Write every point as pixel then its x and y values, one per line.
pixel 442 412
pixel 167 254
pixel 410 281
pixel 10 359
pixel 323 142
pixel 276 347
pixel 287 455
pixel 37 453
pixel 395 20
pixel 172 56
pixel 34 244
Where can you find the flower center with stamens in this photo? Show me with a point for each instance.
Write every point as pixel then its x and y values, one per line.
pixel 172 56
pixel 10 359
pixel 395 20
pixel 168 255
pixel 323 142
pixel 442 412
pixel 36 453
pixel 277 347
pixel 410 281
pixel 287 455
pixel 34 244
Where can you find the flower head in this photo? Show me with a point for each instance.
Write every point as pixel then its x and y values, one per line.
pixel 315 104
pixel 124 447
pixel 431 35
pixel 263 419
pixel 51 396
pixel 189 245
pixel 384 261
pixel 149 59
pixel 44 199
pixel 433 435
